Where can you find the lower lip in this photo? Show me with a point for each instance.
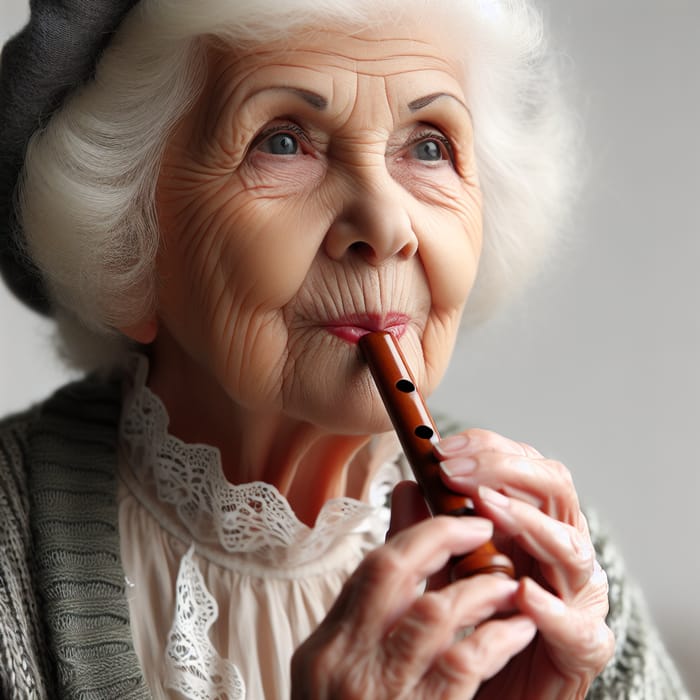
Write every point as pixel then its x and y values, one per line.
pixel 352 334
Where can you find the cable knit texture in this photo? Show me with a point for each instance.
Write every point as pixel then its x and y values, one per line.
pixel 64 630
pixel 68 568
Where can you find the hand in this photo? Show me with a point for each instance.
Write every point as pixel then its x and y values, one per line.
pixel 535 509
pixel 384 639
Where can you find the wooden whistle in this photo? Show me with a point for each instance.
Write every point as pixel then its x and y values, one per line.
pixel 417 433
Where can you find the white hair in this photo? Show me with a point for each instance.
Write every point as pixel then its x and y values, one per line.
pixel 86 199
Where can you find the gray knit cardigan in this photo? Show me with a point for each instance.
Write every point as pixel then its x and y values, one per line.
pixel 64 619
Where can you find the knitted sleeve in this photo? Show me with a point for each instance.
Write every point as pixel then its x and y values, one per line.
pixel 23 657
pixel 641 668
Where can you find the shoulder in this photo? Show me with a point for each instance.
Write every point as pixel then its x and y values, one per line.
pixel 641 668
pixel 21 635
pixel 13 477
pixel 73 418
pixel 91 399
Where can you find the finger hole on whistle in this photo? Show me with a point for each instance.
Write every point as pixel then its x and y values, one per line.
pixel 405 386
pixel 424 432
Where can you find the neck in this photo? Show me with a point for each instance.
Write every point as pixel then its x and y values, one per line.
pixel 307 464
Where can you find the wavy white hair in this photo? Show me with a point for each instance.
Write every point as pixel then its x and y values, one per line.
pixel 86 200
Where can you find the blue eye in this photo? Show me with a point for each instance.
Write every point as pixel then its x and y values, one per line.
pixel 429 150
pixel 280 144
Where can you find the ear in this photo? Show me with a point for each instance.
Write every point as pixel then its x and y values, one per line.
pixel 143 332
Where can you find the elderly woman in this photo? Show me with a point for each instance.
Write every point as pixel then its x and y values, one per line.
pixel 216 200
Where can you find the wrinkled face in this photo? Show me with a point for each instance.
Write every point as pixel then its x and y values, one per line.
pixel 317 191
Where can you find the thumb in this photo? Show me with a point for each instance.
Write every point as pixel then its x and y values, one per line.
pixel 407 507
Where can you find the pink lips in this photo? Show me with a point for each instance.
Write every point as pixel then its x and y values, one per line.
pixel 352 328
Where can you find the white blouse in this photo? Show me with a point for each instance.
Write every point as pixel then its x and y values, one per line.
pixel 225 581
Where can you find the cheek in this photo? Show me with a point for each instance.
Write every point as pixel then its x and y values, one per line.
pixel 447 211
pixel 230 262
pixel 231 243
pixel 451 252
pixel 450 257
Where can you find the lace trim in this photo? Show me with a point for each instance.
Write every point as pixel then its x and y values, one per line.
pixel 192 665
pixel 253 518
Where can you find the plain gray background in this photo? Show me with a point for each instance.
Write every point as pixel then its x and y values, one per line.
pixel 598 366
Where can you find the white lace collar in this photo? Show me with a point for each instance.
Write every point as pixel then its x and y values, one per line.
pixel 253 519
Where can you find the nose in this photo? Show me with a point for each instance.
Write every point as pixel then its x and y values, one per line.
pixel 372 222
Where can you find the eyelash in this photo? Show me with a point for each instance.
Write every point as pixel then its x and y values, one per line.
pixel 280 128
pixel 299 132
pixel 435 136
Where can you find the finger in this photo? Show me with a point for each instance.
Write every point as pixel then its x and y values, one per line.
pixel 408 507
pixel 465 665
pixel 565 555
pixel 384 585
pixel 544 483
pixel 578 638
pixel 478 440
pixel 430 625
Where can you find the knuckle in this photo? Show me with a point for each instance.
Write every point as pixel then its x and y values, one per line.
pixel 564 491
pixel 583 551
pixel 396 671
pixel 562 474
pixel 476 434
pixel 600 647
pixel 354 685
pixel 462 660
pixel 582 524
pixel 529 451
pixel 598 640
pixel 399 647
pixel 599 579
pixel 429 612
pixel 380 564
pixel 430 609
pixel 608 646
pixel 481 439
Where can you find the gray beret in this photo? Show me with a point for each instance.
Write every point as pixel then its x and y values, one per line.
pixel 39 67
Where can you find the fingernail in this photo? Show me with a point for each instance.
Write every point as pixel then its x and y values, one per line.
pixel 546 602
pixel 452 444
pixel 478 524
pixel 522 626
pixel 493 498
pixel 458 466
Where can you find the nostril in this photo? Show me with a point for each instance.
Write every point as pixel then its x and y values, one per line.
pixel 362 248
pixel 370 237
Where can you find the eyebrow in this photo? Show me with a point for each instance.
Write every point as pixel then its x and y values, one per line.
pixel 311 98
pixel 424 101
pixel 320 103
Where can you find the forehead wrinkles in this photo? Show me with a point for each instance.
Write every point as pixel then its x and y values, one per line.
pixel 384 56
pixel 335 66
pixel 373 56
